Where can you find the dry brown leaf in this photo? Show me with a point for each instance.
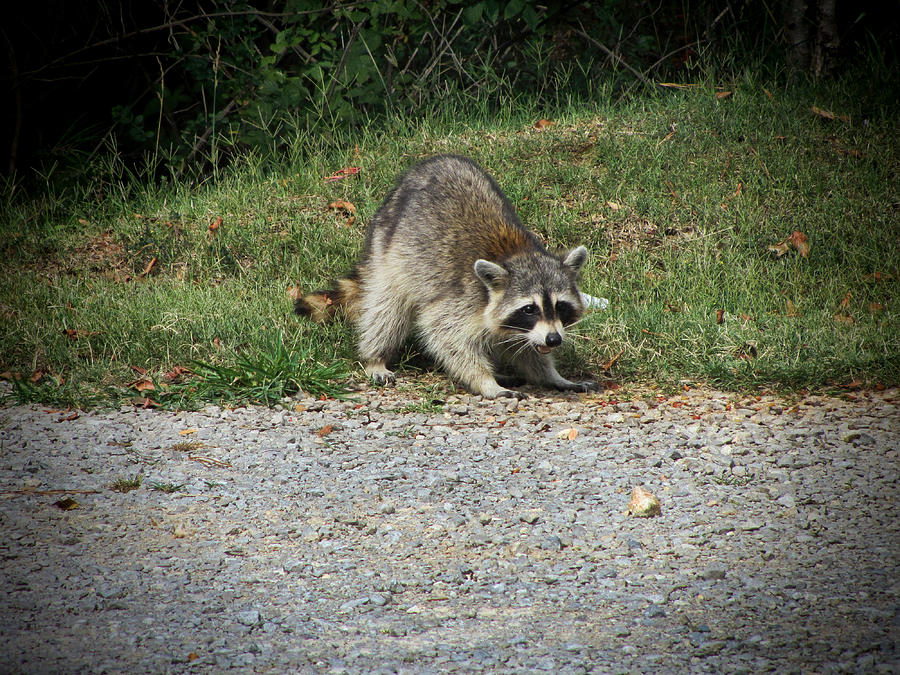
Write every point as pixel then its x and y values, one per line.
pixel 768 93
pixel 149 267
pixel 800 242
pixel 845 301
pixel 876 307
pixel 845 319
pixel 543 124
pixel 791 309
pixel 143 385
pixel 36 376
pixel 215 225
pixel 567 434
pixel 780 249
pixel 723 94
pixel 643 504
pixel 177 372
pixel 187 432
pixel 347 207
pixel 720 316
pixel 828 115
pixel 609 364
pixel 876 277
pixel 324 431
pixel 614 206
pixel 66 504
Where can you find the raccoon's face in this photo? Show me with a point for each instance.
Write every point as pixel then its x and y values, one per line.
pixel 541 320
pixel 533 298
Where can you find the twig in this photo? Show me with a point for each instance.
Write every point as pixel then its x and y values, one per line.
pixel 616 57
pixel 201 141
pixel 340 65
pixel 28 491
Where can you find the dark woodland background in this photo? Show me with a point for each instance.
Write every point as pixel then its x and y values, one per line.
pixel 144 76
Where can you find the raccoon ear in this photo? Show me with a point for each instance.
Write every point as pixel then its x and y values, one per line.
pixel 491 274
pixel 576 258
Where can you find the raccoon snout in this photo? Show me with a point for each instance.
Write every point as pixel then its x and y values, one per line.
pixel 553 339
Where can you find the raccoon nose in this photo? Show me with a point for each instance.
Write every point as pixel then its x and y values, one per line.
pixel 553 339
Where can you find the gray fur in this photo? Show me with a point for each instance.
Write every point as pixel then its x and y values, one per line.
pixel 447 254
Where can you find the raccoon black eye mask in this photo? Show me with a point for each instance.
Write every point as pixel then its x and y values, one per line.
pixel 447 254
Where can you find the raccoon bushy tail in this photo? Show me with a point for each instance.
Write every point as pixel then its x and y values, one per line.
pixel 323 306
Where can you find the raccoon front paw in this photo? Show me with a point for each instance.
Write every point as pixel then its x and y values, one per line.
pixel 380 374
pixel 582 387
pixel 493 390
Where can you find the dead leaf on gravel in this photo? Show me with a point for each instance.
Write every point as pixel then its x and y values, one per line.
pixel 643 504
pixel 66 504
pixel 567 434
pixel 324 431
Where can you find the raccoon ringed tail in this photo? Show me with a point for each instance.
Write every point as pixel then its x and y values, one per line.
pixel 323 306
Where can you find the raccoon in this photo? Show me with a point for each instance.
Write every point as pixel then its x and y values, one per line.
pixel 447 255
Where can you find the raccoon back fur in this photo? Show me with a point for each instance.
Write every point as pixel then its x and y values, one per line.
pixel 447 254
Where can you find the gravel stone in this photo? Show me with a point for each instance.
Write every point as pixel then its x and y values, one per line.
pixel 470 538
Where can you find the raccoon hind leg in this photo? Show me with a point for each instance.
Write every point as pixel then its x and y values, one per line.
pixel 382 321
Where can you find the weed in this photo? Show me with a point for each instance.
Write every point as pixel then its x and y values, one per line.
pixel 726 478
pixel 124 484
pixel 187 446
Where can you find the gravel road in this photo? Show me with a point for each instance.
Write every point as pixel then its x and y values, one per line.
pixel 390 535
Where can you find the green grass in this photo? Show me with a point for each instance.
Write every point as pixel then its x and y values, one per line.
pixel 125 484
pixel 677 195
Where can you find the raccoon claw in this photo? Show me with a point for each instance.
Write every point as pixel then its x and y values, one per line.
pixel 581 387
pixel 512 393
pixel 381 375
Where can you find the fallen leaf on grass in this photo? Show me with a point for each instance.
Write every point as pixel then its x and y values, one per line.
pixel 215 225
pixel 176 373
pixel 845 319
pixel 875 307
pixel 143 385
pixel 347 207
pixel 828 115
pixel 746 352
pixel 543 124
pixel 609 364
pixel 791 309
pixel 74 334
pixel 876 277
pixel 723 94
pixel 144 402
pixel 343 173
pixel 798 240
pixel 149 267
pixel 720 316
